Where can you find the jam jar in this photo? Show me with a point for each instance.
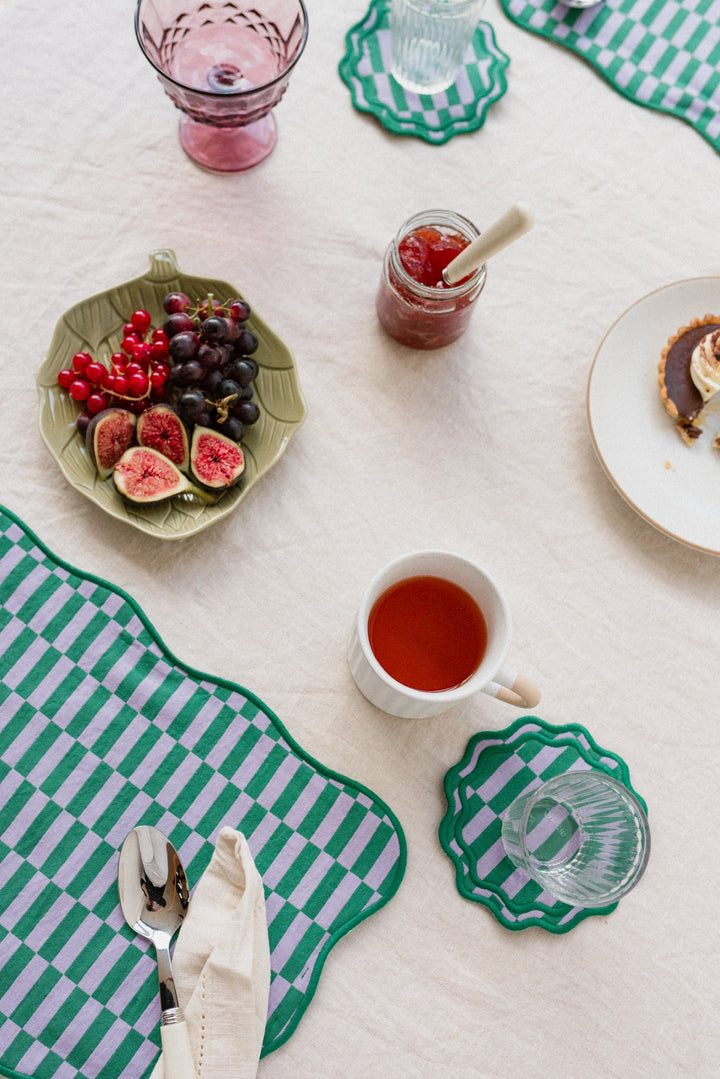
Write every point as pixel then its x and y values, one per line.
pixel 413 303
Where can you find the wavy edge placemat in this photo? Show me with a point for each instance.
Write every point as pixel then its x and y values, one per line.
pixel 145 988
pixel 465 805
pixel 462 108
pixel 621 39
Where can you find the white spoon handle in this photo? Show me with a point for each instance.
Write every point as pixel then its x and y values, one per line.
pixel 176 1051
pixel 514 223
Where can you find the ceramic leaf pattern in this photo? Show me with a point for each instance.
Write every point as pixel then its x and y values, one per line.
pixel 95 325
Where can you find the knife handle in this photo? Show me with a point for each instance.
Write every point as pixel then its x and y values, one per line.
pixel 177 1054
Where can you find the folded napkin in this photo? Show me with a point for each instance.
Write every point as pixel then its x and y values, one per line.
pixel 221 965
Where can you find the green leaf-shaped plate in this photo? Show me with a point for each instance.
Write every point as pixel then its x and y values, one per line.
pixel 96 325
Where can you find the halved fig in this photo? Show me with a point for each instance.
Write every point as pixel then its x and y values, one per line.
pixel 216 461
pixel 145 476
pixel 108 436
pixel 160 428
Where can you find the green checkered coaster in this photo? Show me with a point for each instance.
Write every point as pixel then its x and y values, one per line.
pixel 664 54
pixel 496 768
pixel 101 728
pixel 462 108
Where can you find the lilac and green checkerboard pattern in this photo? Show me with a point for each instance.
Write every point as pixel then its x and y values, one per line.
pixel 664 54
pixel 101 729
pixel 496 768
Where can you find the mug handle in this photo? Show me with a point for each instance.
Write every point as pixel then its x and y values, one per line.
pixel 511 687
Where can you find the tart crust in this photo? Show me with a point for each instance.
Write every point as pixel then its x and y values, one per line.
pixel 681 398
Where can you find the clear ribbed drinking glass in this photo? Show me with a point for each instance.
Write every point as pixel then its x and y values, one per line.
pixel 582 836
pixel 429 39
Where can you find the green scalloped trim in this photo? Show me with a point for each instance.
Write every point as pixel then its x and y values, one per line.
pixel 435 118
pixel 512 913
pixel 392 885
pixel 467 813
pixel 599 34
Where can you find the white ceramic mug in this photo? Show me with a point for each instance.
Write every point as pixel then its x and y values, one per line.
pixel 492 676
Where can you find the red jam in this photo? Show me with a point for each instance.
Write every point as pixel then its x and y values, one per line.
pixel 425 252
pixel 414 305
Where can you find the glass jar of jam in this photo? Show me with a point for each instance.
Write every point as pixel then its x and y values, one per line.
pixel 414 305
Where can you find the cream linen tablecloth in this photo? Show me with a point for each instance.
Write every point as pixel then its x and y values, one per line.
pixel 482 448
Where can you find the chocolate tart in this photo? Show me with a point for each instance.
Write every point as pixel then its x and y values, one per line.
pixel 681 397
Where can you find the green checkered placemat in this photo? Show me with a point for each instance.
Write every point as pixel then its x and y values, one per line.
pixel 101 728
pixel 664 54
pixel 496 768
pixel 365 68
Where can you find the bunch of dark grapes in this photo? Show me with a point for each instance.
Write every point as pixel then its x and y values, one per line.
pixel 212 370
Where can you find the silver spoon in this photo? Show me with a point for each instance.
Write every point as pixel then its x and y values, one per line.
pixel 154 898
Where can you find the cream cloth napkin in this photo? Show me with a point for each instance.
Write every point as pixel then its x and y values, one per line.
pixel 221 965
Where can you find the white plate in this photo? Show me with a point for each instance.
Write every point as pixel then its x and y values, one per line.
pixel 673 486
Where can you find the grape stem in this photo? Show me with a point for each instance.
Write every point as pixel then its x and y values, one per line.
pixel 223 406
pixel 210 300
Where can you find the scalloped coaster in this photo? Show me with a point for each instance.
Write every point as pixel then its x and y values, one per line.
pixel 101 728
pixel 365 68
pixel 496 767
pixel 663 55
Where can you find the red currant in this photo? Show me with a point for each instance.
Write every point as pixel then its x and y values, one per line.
pixel 95 372
pixel 96 402
pixel 80 361
pixel 139 384
pixel 159 374
pixel 128 343
pixel 121 383
pixel 159 350
pixel 159 335
pixel 141 320
pixel 65 377
pixel 79 389
pixel 141 352
pixel 118 360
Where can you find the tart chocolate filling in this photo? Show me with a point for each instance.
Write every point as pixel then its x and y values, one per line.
pixel 680 395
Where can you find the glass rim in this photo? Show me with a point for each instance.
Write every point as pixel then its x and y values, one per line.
pixel 611 781
pixel 452 7
pixel 229 95
pixel 430 292
pixel 622 888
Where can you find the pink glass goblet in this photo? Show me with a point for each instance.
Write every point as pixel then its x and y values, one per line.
pixel 225 64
